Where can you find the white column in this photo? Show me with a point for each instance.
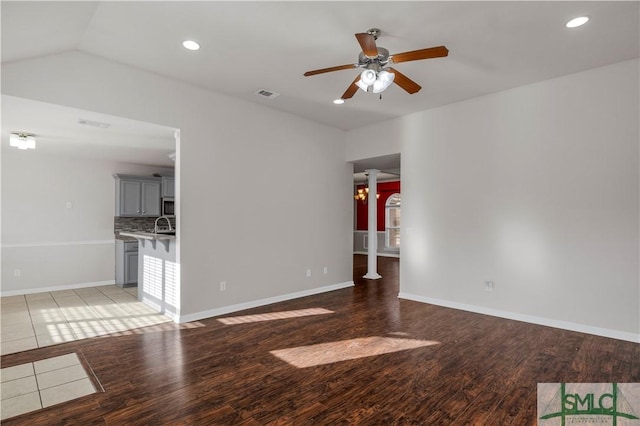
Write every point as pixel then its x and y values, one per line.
pixel 372 201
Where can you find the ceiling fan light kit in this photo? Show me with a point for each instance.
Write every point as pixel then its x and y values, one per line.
pixel 377 82
pixel 378 75
pixel 384 80
pixel 368 77
pixel 361 85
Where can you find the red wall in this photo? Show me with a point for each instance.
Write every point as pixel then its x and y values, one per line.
pixel 385 189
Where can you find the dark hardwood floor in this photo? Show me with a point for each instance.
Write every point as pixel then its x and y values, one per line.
pixel 482 371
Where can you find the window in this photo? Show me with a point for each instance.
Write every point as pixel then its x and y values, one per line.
pixel 392 222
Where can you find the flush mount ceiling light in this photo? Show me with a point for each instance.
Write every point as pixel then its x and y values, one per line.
pixel 190 45
pixel 22 141
pixel 338 101
pixel 577 22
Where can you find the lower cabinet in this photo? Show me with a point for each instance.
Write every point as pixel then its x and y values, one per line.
pixel 126 263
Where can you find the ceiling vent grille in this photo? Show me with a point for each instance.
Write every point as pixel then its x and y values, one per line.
pixel 267 93
pixel 92 123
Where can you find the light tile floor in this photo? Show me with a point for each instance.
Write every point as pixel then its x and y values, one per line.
pixel 35 385
pixel 42 319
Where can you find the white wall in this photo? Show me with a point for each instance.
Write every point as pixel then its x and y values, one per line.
pixel 536 189
pixel 52 245
pixel 263 195
pixel 374 141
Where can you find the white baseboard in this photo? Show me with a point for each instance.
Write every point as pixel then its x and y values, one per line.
pixel 565 325
pixel 396 255
pixel 55 288
pixel 262 302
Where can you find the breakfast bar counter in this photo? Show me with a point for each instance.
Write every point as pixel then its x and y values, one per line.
pixel 158 274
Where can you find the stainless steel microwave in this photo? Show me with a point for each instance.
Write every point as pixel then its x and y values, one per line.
pixel 168 207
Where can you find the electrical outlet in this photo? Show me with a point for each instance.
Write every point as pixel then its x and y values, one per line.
pixel 17 273
pixel 223 286
pixel 488 286
pixel 308 272
pixel 326 270
pixel 69 205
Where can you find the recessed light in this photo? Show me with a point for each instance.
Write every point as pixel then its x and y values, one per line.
pixel 576 22
pixel 338 101
pixel 191 45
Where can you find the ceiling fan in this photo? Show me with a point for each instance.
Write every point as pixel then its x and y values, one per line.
pixel 376 61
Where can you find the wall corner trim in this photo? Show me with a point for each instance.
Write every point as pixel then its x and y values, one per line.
pixel 261 302
pixel 564 325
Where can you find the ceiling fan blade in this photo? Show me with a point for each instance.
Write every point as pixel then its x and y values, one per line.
pixel 405 82
pixel 323 70
pixel 351 90
pixel 368 44
pixel 414 55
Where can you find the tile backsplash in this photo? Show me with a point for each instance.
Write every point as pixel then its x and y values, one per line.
pixel 137 224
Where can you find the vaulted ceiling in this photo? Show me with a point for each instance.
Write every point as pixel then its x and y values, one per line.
pixel 247 46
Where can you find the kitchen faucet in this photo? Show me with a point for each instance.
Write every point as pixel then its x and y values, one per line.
pixel 155 228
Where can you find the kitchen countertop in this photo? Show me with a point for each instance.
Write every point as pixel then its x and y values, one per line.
pixel 147 235
pixel 121 237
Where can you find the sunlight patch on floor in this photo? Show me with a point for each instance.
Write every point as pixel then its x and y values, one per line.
pixel 328 353
pixel 245 319
pixel 42 319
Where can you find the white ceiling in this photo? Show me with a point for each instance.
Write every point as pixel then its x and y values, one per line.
pixel 388 166
pixel 248 46
pixel 58 132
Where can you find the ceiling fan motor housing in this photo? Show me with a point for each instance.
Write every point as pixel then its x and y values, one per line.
pixel 374 63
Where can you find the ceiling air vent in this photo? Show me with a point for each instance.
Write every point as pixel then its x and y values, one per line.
pixel 267 93
pixel 92 123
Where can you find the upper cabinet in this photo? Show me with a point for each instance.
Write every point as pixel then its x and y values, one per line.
pixel 168 187
pixel 150 198
pixel 137 195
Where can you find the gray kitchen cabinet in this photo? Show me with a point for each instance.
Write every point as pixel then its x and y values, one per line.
pixel 168 187
pixel 137 195
pixel 126 263
pixel 150 198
